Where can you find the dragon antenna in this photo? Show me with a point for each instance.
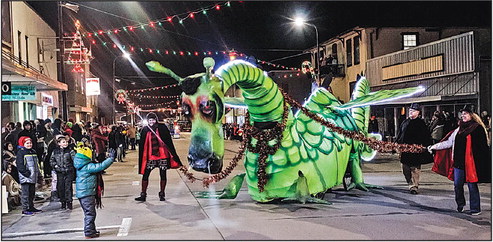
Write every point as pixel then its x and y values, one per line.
pixel 157 67
pixel 209 65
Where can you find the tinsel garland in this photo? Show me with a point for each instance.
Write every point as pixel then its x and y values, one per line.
pixel 378 145
pixel 224 173
pixel 263 137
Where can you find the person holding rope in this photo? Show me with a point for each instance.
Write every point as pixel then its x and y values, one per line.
pixel 464 157
pixel 414 131
pixel 156 150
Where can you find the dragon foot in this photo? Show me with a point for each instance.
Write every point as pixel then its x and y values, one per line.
pixel 229 192
pixel 363 186
pixel 307 199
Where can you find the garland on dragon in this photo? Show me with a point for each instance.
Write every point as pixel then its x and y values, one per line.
pixel 287 156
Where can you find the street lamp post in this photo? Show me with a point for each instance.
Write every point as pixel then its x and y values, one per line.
pixel 127 56
pixel 300 22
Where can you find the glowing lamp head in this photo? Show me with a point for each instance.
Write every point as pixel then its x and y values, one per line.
pixel 299 21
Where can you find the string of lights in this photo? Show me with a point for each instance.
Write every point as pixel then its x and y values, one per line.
pixel 152 88
pixel 138 95
pixel 156 104
pixel 159 22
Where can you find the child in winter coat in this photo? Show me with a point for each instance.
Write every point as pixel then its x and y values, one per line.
pixel 88 186
pixel 62 161
pixel 27 165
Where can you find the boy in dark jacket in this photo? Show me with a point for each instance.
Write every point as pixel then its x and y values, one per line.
pixel 62 161
pixel 27 165
pixel 88 186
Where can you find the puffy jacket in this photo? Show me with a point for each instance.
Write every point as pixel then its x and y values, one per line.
pixel 85 182
pixel 27 165
pixel 62 160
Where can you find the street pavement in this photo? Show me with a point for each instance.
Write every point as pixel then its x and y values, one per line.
pixel 391 213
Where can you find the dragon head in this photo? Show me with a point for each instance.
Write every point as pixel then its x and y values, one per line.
pixel 203 105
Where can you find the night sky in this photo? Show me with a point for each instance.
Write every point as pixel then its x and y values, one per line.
pixel 259 29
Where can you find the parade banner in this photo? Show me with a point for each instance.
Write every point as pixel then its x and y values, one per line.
pixel 92 87
pixel 20 93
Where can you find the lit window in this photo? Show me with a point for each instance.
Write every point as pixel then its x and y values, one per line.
pixel 409 41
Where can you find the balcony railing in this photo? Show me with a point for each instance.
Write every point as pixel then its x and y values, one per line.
pixel 337 70
pixel 7 55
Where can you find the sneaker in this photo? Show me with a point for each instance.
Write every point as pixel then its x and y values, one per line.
pixel 475 213
pixel 460 209
pixel 414 192
pixel 34 210
pixel 27 213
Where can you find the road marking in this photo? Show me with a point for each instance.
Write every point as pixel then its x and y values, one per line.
pixel 58 231
pixel 125 227
pixel 135 183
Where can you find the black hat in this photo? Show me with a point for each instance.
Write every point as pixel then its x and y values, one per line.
pixel 415 106
pixel 467 108
pixel 152 115
pixel 47 120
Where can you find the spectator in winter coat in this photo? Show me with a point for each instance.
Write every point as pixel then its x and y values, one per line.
pixel 62 161
pixel 465 149
pixel 68 128
pixel 76 132
pixel 57 127
pixel 9 160
pixel 89 186
pixel 99 141
pixel 30 132
pixel 414 131
pixel 131 133
pixel 27 164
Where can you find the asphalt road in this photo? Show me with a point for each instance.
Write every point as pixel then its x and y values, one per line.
pixel 381 214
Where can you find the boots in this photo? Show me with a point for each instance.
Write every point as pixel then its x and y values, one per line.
pixel 161 193
pixel 161 196
pixel 69 205
pixel 64 205
pixel 54 196
pixel 142 197
pixel 143 193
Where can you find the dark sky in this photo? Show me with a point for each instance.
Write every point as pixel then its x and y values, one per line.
pixel 255 28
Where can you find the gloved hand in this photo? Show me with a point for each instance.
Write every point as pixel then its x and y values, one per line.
pixel 112 153
pixel 430 149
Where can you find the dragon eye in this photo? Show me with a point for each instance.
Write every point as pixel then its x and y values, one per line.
pixel 207 108
pixel 187 110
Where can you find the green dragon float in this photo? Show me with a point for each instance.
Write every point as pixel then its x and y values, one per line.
pixel 287 156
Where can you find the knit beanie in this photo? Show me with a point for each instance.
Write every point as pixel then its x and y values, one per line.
pixel 70 124
pixel 23 139
pixel 84 153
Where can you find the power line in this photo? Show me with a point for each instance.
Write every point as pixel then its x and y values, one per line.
pixel 287 57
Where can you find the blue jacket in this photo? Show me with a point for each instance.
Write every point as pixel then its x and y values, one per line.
pixel 85 182
pixel 27 165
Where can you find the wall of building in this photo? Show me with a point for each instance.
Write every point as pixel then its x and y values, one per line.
pixel 30 24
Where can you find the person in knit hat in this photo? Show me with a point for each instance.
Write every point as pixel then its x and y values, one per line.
pixel 89 186
pixel 156 150
pixel 68 128
pixel 27 165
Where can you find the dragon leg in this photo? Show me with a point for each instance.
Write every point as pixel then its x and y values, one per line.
pixel 302 193
pixel 357 175
pixel 229 192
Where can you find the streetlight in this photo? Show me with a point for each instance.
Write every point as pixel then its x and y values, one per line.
pixel 299 21
pixel 126 55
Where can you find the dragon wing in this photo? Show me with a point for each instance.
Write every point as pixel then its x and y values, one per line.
pixel 381 96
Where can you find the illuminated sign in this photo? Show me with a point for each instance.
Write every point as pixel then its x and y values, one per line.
pixel 46 99
pixel 92 87
pixel 20 93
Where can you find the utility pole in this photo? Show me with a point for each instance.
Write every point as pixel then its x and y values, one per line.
pixel 61 68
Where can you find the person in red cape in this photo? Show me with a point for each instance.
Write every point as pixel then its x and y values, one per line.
pixel 156 150
pixel 463 156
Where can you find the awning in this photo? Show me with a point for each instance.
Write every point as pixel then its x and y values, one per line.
pixel 18 73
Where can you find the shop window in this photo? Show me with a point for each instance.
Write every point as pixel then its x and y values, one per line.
pixel 349 52
pixel 409 40
pixel 356 50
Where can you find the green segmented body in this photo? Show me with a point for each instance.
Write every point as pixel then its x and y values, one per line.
pixel 306 145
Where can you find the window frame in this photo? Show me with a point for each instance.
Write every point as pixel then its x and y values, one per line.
pixel 403 40
pixel 356 50
pixel 349 52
